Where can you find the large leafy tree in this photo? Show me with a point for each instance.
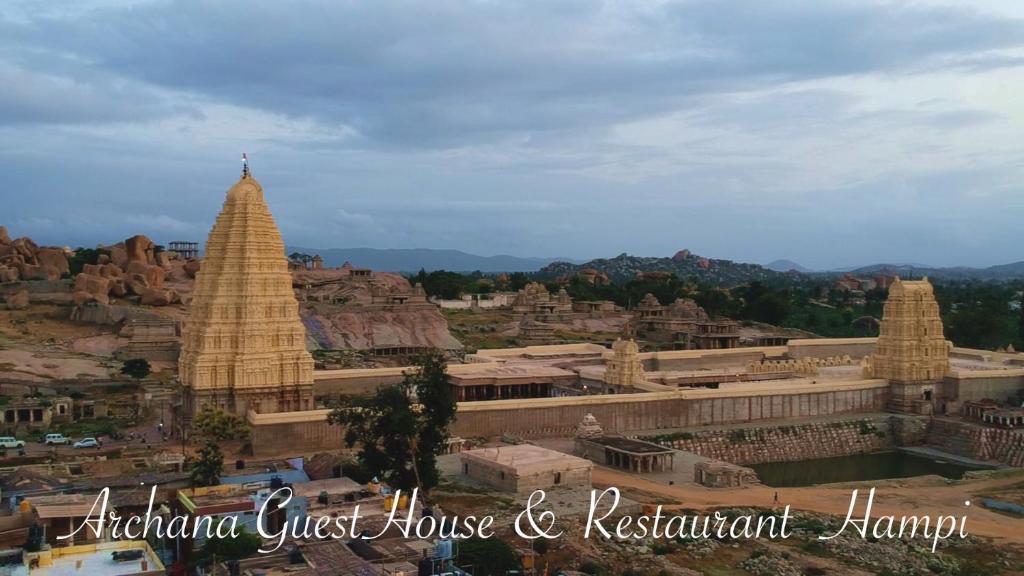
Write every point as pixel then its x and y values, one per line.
pixel 208 465
pixel 137 368
pixel 219 426
pixel 216 549
pixel 402 428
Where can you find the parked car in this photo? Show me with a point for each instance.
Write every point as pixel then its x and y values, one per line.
pixel 54 439
pixel 88 443
pixel 11 442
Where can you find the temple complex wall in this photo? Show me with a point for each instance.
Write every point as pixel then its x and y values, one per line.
pixel 626 413
pixel 623 413
pixel 823 347
pixel 683 360
pixel 998 385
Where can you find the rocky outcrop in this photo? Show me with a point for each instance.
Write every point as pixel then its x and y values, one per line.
pixel 375 329
pixel 89 288
pixel 18 300
pixel 158 297
pixel 140 249
pixel 192 268
pixel 23 259
pixel 133 267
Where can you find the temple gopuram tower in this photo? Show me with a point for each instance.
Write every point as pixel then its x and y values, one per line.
pixel 244 346
pixel 624 369
pixel 912 353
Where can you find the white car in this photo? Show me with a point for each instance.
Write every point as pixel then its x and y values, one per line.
pixel 87 443
pixel 11 442
pixel 54 439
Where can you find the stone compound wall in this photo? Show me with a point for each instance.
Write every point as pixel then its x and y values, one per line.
pixel 625 413
pixel 786 443
pixel 978 442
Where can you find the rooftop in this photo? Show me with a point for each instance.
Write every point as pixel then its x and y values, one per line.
pixel 525 458
pixel 96 560
pixel 629 445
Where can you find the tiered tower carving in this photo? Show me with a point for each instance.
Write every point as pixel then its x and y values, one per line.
pixel 244 346
pixel 624 368
pixel 911 347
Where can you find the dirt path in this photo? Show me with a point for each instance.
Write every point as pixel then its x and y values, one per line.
pixel 931 500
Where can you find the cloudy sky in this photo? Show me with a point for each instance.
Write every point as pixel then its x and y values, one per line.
pixel 828 132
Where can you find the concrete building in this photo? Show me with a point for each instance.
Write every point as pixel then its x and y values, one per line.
pixel 524 468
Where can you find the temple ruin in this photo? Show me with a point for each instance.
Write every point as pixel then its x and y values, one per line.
pixel 684 323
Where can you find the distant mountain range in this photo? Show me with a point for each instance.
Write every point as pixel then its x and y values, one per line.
pixel 623 267
pixel 414 259
pixel 1011 271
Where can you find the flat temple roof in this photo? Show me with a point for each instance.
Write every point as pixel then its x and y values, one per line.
pixel 629 445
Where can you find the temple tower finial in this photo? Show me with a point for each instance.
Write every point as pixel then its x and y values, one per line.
pixel 245 166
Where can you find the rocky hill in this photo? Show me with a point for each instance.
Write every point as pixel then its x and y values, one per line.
pixel 684 264
pixel 136 279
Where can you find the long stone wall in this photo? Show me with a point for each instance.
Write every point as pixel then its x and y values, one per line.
pixel 625 413
pixel 978 442
pixel 786 443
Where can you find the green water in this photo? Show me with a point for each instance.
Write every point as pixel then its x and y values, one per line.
pixel 854 468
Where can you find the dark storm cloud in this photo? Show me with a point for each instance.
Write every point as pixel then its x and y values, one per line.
pixel 746 130
pixel 450 73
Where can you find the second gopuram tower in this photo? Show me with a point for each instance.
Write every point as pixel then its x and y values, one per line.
pixel 912 353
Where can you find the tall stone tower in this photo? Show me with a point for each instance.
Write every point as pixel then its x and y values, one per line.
pixel 624 368
pixel 911 353
pixel 244 346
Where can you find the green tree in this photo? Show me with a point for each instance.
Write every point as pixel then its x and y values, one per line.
pixel 208 466
pixel 402 428
pixel 81 257
pixel 216 549
pixel 137 368
pixel 219 426
pixel 488 557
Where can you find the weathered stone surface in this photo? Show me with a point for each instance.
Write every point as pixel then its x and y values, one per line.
pixel 158 297
pixel 111 271
pixel 54 257
pixel 118 287
pixel 9 274
pixel 31 271
pixel 165 259
pixel 18 300
pixel 118 255
pixel 787 443
pixel 26 247
pixel 140 249
pixel 96 286
pixel 192 268
pixel 92 269
pixel 4 237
